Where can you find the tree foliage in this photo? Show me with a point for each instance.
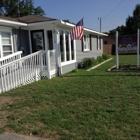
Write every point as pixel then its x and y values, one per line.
pixel 131 25
pixel 26 7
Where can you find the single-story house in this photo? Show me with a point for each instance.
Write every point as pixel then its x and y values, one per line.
pixel 33 33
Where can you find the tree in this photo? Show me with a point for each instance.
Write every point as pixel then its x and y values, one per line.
pixel 136 17
pixel 121 30
pixel 132 23
pixel 26 7
pixel 129 25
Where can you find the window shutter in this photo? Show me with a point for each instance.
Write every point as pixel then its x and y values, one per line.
pixel 90 38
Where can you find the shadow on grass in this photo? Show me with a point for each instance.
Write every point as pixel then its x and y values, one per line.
pixel 99 75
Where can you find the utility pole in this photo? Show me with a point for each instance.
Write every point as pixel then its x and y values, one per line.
pixel 99 18
pixel 18 11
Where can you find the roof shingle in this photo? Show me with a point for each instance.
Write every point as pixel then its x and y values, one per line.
pixel 28 19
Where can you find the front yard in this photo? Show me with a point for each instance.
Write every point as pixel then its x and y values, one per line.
pixel 94 104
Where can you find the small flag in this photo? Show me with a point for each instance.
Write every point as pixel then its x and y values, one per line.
pixel 77 31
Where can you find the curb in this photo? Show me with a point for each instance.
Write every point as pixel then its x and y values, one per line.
pixel 99 64
pixel 111 68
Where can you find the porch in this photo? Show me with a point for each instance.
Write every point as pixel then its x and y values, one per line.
pixel 16 71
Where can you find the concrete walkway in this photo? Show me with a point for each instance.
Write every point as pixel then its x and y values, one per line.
pixel 99 64
pixel 12 136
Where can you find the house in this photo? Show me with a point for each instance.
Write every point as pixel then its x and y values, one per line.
pixel 109 44
pixel 32 34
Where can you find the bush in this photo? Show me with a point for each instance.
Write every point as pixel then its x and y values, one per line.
pixel 75 70
pixel 99 59
pixel 87 62
pixel 105 56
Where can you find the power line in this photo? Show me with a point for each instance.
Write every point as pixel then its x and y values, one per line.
pixel 113 9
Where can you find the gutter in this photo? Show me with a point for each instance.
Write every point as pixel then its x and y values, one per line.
pixel 13 22
pixel 86 29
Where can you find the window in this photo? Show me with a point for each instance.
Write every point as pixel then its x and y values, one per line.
pixel 100 43
pixel 50 40
pixel 86 43
pixel 37 38
pixel 66 47
pixel 72 50
pixel 61 46
pixel 6 44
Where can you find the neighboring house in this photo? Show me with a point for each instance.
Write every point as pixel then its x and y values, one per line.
pixel 32 33
pixel 109 44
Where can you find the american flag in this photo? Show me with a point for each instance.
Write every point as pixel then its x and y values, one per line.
pixel 77 31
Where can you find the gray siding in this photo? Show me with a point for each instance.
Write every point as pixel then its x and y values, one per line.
pixel 21 41
pixel 92 53
pixel 68 68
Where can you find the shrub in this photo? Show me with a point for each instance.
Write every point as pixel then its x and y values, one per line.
pixel 99 59
pixel 105 56
pixel 87 62
pixel 75 70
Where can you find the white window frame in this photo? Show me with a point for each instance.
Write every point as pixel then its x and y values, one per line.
pixel 64 45
pixel 99 43
pixel 87 42
pixel 1 45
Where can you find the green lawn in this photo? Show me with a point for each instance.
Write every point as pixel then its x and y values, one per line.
pixel 95 105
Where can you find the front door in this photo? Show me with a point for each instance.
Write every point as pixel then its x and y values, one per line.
pixel 37 39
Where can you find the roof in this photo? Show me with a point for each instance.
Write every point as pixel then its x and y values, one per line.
pixel 8 18
pixel 34 19
pixel 28 19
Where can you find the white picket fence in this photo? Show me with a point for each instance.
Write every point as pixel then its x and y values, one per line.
pixel 10 58
pixel 27 70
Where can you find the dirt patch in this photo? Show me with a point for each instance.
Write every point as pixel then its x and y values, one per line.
pixel 7 100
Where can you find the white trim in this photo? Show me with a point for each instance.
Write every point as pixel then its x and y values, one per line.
pixel 69 46
pixel 86 50
pixel 1 45
pixel 12 22
pixel 89 30
pixel 64 46
pixel 98 43
pixel 68 62
pixel 87 43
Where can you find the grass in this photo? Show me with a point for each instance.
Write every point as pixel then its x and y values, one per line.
pixel 96 105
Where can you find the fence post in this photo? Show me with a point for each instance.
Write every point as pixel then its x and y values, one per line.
pixel 48 61
pixel 117 60
pixel 41 59
pixel 138 48
pixel 36 79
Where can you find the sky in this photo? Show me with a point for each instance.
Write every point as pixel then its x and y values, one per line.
pixel 113 13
